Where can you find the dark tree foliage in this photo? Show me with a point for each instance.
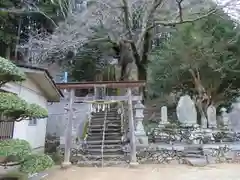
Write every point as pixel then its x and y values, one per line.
pixel 201 58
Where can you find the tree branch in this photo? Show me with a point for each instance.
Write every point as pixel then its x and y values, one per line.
pixel 135 54
pixel 181 21
pixel 146 18
pixel 179 4
pixel 25 11
pixel 186 21
pixel 127 16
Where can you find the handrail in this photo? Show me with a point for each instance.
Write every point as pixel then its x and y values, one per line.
pixel 103 136
pixel 89 123
pixel 122 118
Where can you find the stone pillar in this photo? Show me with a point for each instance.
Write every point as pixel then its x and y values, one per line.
pixel 225 117
pixel 68 135
pixel 204 122
pixel 140 132
pixel 164 117
pixel 133 153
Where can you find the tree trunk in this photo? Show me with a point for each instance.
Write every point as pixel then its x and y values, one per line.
pixel 202 109
pixel 8 52
pixel 142 73
pixel 132 67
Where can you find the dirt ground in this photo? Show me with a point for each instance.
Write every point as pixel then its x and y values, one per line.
pixel 149 172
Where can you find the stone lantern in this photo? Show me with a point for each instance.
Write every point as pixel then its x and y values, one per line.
pixel 139 130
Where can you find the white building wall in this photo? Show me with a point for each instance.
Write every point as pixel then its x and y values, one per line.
pixel 34 134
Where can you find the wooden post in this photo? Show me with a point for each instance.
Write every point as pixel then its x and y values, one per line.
pixel 68 134
pixel 132 129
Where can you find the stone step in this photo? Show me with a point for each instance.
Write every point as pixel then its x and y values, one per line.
pixel 105 163
pixel 109 113
pixel 193 151
pixel 105 154
pixel 119 134
pixel 118 121
pixel 105 151
pixel 90 138
pixel 101 119
pixel 193 155
pixel 105 157
pixel 109 130
pixel 100 137
pixel 198 162
pixel 106 142
pixel 193 147
pixel 97 146
pixel 100 126
pixel 100 130
pixel 105 138
pixel 107 117
pixel 108 123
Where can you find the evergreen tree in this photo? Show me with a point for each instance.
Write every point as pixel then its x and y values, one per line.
pixel 13 108
pixel 201 58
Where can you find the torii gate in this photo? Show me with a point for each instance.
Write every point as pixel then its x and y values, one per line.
pixel 71 87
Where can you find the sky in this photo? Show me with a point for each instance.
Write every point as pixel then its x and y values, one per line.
pixel 233 9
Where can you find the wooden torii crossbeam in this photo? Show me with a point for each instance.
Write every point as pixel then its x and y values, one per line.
pixel 107 84
pixel 103 84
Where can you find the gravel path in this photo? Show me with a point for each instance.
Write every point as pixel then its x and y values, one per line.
pixel 150 172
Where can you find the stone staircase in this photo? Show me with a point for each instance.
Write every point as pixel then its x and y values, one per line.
pixel 194 156
pixel 104 141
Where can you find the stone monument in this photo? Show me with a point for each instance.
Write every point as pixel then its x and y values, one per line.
pixel 225 117
pixel 164 116
pixel 186 111
pixel 204 122
pixel 212 117
pixel 234 116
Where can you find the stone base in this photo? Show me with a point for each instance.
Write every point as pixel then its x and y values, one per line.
pixel 142 140
pixel 162 125
pixel 133 164
pixel 197 162
pixel 66 165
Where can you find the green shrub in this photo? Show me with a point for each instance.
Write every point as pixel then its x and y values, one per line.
pixel 35 163
pixel 29 162
pixel 14 108
pixel 11 105
pixel 9 71
pixel 36 111
pixel 17 147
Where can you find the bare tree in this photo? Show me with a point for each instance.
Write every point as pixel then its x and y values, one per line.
pixel 130 25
